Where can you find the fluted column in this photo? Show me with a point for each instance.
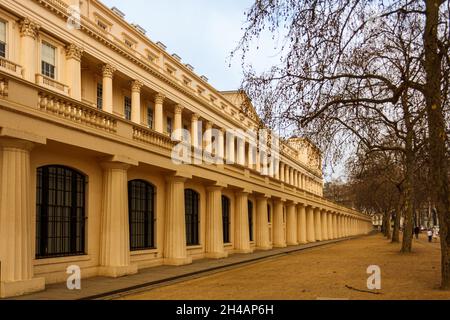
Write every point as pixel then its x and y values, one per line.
pixel 175 252
pixel 208 137
pixel 340 234
pixel 282 171
pixel 279 240
pixel 324 218
pixel 241 227
pixel 214 228
pixel 28 34
pixel 329 216
pixel 262 225
pixel 73 70
pixel 107 97
pixel 16 215
pixel 301 224
pixel 221 145
pixel 114 235
pixel 159 113
pixel 178 125
pixel 136 101
pixel 318 224
pixel 286 174
pixel 291 225
pixel 310 224
pixel 240 150
pixel 334 224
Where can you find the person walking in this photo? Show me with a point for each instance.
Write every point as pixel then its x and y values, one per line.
pixel 417 231
pixel 430 235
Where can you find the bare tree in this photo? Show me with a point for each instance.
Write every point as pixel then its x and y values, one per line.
pixel 344 58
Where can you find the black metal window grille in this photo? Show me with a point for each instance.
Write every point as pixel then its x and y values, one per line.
pixel 269 216
pixel 250 219
pixel 100 96
pixel 191 204
pixel 226 219
pixel 141 195
pixel 150 117
pixel 60 212
pixel 127 107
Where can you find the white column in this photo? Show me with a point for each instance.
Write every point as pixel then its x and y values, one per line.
pixel 114 235
pixel 231 157
pixel 330 225
pixel 318 224
pixel 324 216
pixel 301 224
pixel 194 130
pixel 241 227
pixel 310 224
pixel 291 225
pixel 159 113
pixel 208 137
pixel 282 171
pixel 262 225
pixel 73 70
pixel 335 227
pixel 241 150
pixel 286 174
pixel 175 252
pixel 28 33
pixel 178 125
pixel 221 145
pixel 214 228
pixel 16 215
pixel 107 97
pixel 136 101
pixel 279 240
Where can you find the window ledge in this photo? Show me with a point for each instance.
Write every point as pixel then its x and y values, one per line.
pixel 143 252
pixel 194 247
pixel 47 261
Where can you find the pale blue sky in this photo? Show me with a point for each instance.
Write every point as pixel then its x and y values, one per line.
pixel 201 32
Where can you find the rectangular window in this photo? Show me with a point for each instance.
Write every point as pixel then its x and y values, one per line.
pixel 102 25
pixel 169 125
pixel 3 39
pixel 100 96
pixel 127 107
pixel 48 60
pixel 150 117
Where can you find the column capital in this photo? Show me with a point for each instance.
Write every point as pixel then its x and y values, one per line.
pixel 175 179
pixel 136 85
pixel 209 124
pixel 159 98
pixel 74 52
pixel 178 109
pixel 108 70
pixel 195 117
pixel 12 143
pixel 115 165
pixel 214 188
pixel 29 28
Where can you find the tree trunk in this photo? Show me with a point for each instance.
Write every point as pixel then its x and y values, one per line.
pixel 409 179
pixel 398 214
pixel 387 224
pixel 437 134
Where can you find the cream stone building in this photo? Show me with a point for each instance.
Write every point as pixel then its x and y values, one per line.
pixel 88 108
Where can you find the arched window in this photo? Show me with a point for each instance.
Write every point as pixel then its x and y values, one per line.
pixel 250 219
pixel 60 212
pixel 191 204
pixel 141 197
pixel 226 219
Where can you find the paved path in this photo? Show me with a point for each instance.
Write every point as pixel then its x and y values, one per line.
pixel 107 288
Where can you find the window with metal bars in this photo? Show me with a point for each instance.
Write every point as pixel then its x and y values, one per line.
pixel 48 60
pixel 3 39
pixel 191 204
pixel 100 96
pixel 226 219
pixel 127 107
pixel 269 216
pixel 141 195
pixel 150 117
pixel 60 212
pixel 250 219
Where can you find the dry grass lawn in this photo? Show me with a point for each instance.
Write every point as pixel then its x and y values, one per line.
pixel 322 273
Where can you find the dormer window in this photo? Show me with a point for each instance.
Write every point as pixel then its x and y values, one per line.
pixel 102 25
pixel 170 70
pixel 186 81
pixel 130 43
pixel 200 91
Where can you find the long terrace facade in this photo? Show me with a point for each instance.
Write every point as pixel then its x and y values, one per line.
pixel 92 113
